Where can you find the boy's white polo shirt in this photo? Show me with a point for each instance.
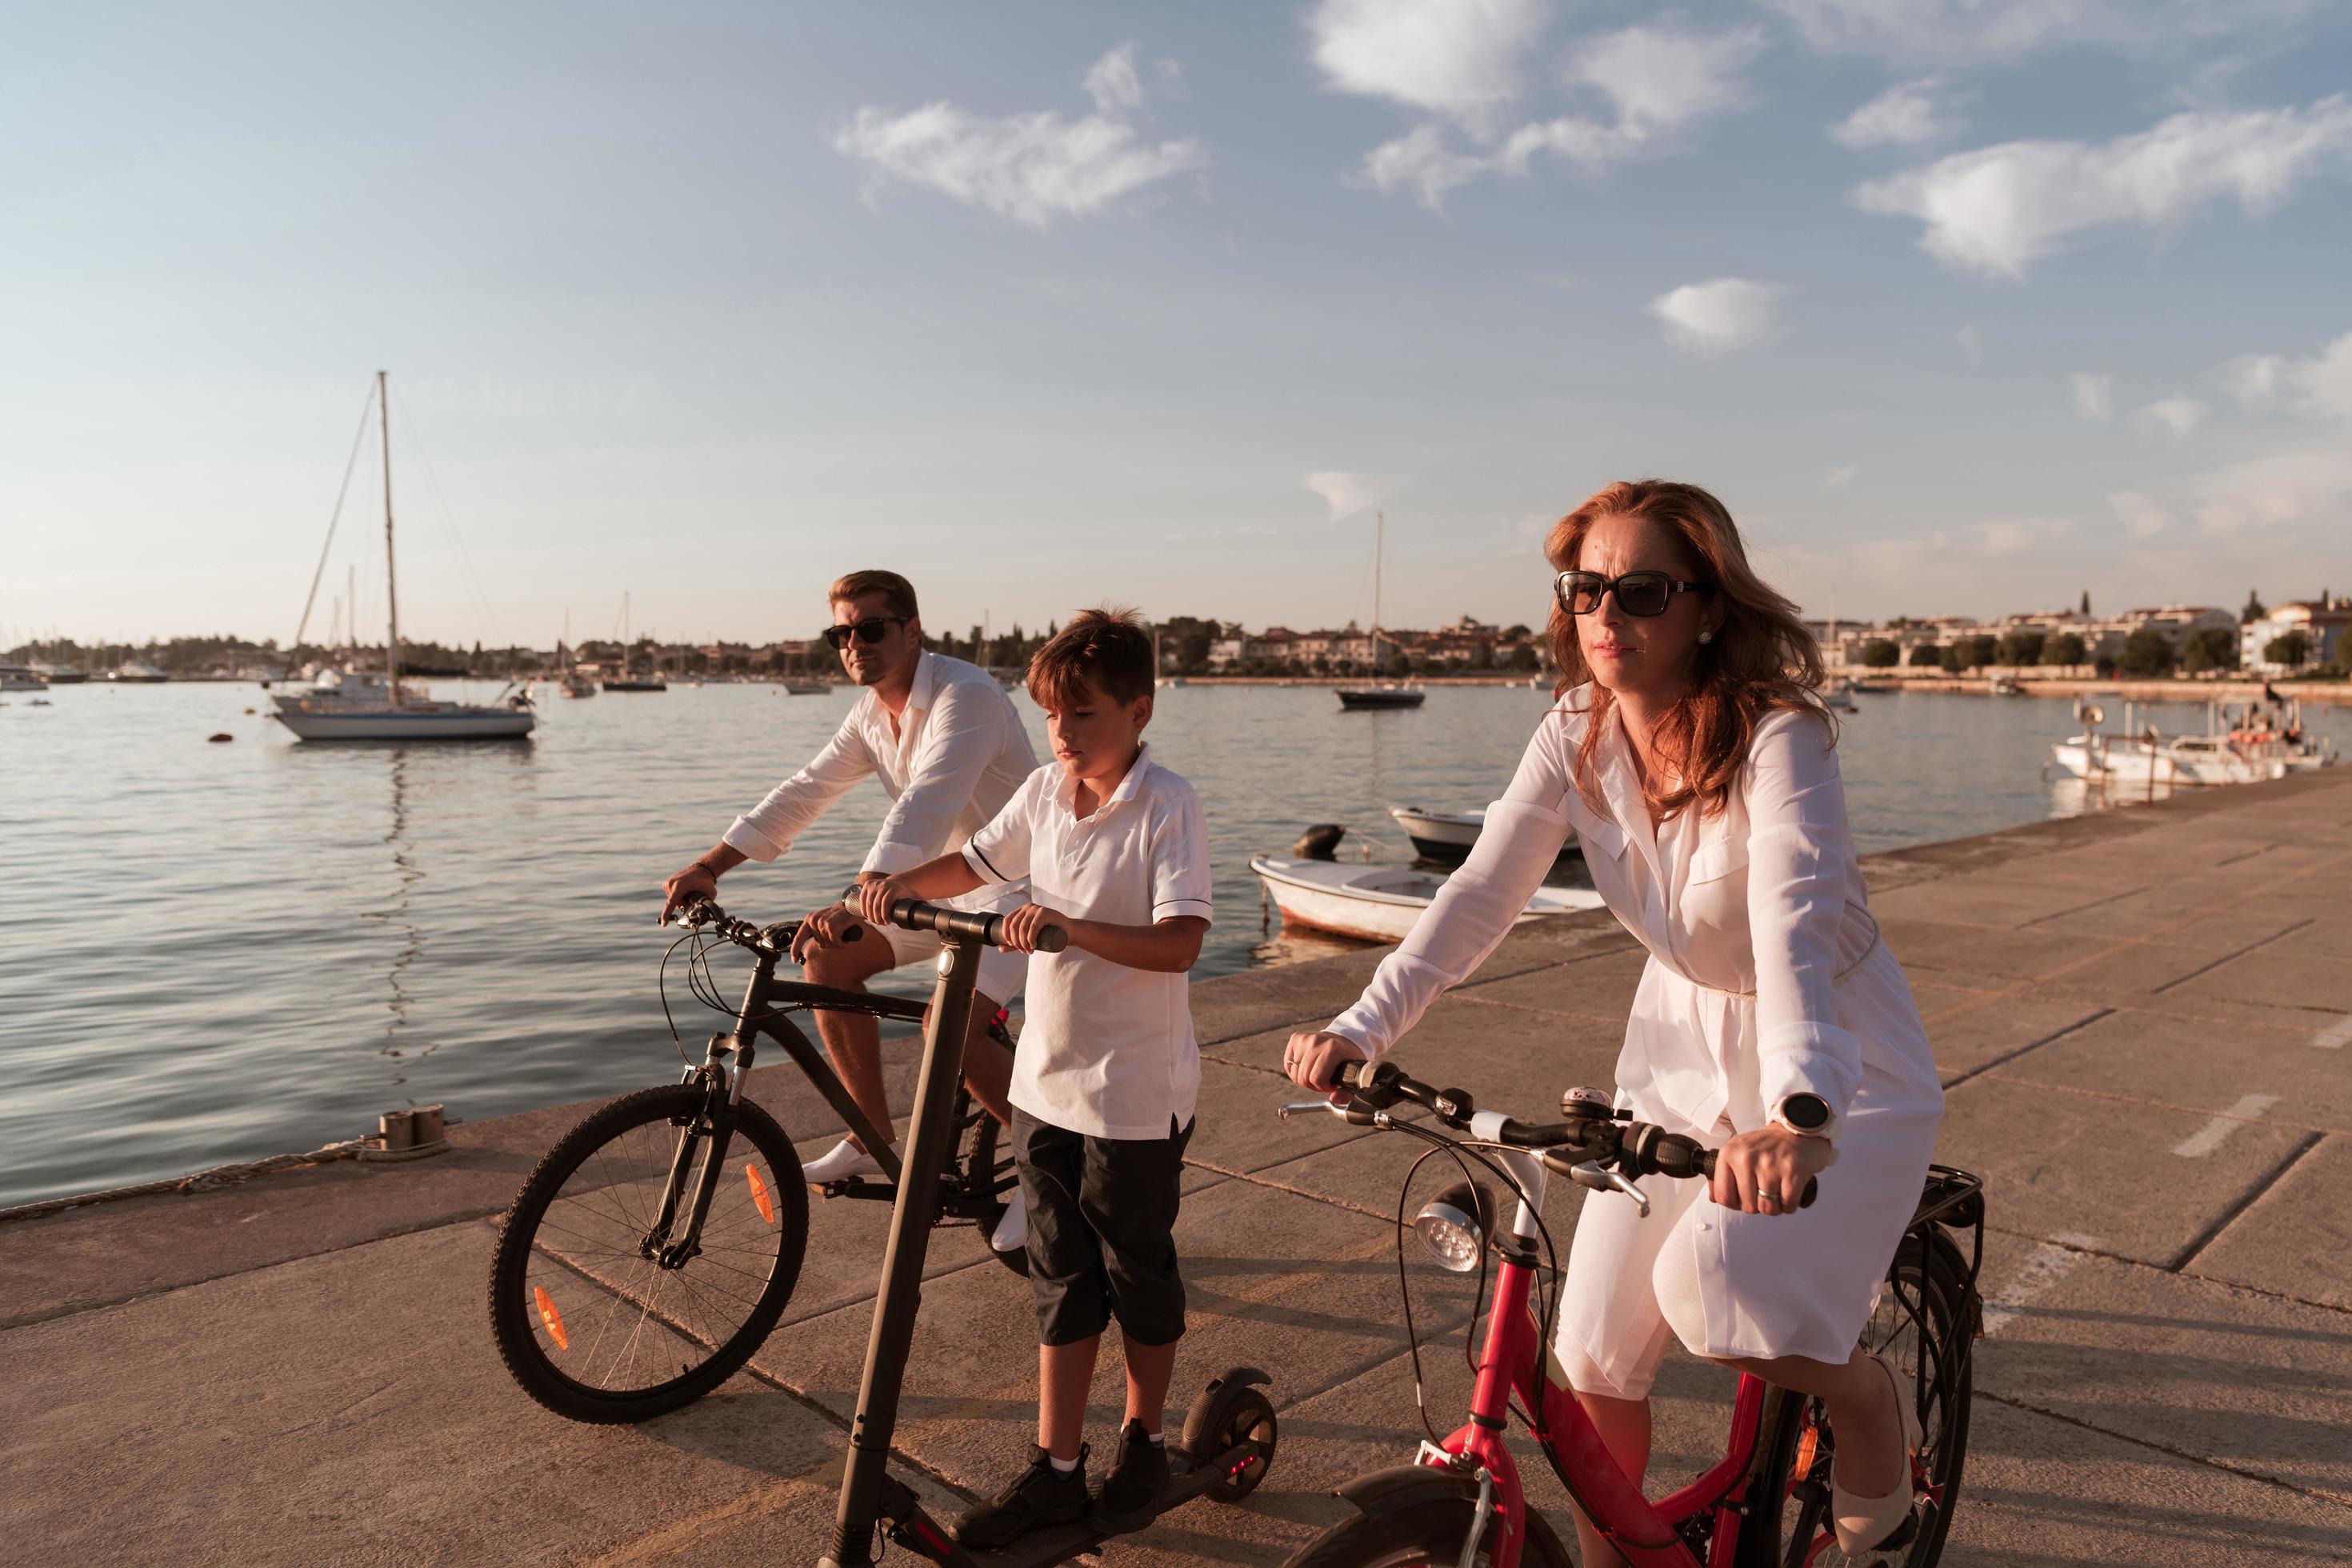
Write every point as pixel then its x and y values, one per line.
pixel 1105 1050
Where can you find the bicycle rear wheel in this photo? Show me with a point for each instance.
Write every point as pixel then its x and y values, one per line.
pixel 1427 1534
pixel 1923 1316
pixel 586 1317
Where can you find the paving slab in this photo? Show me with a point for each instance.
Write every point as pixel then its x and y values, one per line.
pixel 1971 1030
pixel 2191 1064
pixel 2296 1238
pixel 2058 1163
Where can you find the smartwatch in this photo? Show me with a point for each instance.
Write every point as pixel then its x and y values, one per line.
pixel 1807 1114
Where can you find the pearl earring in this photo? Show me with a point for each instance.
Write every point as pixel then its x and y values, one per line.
pixel 1707 636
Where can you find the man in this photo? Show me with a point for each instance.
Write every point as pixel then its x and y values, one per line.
pixel 949 751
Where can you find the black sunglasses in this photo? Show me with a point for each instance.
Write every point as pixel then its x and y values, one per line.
pixel 867 630
pixel 1638 592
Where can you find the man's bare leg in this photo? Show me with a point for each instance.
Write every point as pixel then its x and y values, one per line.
pixel 987 1066
pixel 853 1040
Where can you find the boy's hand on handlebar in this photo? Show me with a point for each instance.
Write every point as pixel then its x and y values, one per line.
pixel 1313 1058
pixel 1019 932
pixel 695 883
pixel 826 927
pixel 1765 1171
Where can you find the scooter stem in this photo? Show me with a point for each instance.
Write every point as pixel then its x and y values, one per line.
pixel 902 1294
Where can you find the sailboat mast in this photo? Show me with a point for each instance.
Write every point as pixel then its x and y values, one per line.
pixel 390 578
pixel 1380 549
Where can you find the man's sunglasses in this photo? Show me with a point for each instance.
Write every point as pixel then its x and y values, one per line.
pixel 868 630
pixel 1638 592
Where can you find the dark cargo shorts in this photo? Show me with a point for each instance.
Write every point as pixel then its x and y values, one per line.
pixel 1102 1216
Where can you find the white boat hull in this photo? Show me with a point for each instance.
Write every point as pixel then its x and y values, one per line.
pixel 1377 902
pixel 1449 835
pixel 2120 761
pixel 411 724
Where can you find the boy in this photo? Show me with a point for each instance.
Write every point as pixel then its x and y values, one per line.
pixel 1108 1071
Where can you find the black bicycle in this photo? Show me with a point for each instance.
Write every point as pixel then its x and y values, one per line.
pixel 655 1244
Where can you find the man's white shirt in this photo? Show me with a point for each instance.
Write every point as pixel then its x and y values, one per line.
pixel 1106 1050
pixel 957 753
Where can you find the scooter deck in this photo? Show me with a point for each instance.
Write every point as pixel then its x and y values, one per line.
pixel 1186 1481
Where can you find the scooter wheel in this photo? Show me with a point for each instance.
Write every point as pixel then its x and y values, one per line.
pixel 1246 1419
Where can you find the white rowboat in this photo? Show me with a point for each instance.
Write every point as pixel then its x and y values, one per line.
pixel 1377 901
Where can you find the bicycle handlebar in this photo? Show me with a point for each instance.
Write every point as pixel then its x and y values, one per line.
pixel 699 912
pixel 1635 1148
pixel 913 914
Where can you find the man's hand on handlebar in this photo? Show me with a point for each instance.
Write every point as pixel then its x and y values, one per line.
pixel 1765 1171
pixel 877 893
pixel 681 887
pixel 1019 932
pixel 1313 1058
pixel 830 925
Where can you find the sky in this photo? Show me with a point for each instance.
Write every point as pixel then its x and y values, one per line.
pixel 1961 306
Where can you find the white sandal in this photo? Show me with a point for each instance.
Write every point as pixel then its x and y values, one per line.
pixel 1863 1524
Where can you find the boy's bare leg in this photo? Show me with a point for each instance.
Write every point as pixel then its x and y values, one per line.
pixel 1064 1373
pixel 1624 1428
pixel 853 1040
pixel 1148 1369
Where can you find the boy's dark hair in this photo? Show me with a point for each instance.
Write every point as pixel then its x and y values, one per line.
pixel 1107 647
pixel 896 590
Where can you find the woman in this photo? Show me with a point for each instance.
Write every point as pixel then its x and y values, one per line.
pixel 1690 753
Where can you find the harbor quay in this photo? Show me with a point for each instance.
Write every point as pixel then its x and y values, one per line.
pixel 2143 1019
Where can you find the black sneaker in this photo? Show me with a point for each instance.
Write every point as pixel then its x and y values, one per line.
pixel 1038 1496
pixel 1130 1494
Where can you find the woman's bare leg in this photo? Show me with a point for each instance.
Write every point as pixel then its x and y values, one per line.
pixel 1624 1428
pixel 1861 1409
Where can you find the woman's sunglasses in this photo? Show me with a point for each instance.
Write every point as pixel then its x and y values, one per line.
pixel 868 630
pixel 1638 592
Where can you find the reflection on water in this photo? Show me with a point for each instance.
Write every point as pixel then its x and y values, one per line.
pixel 266 943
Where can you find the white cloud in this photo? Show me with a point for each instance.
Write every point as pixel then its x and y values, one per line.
pixel 1719 317
pixel 1112 83
pixel 1837 479
pixel 1905 114
pixel 2137 512
pixel 1032 168
pixel 1455 58
pixel 2177 416
pixel 2000 209
pixel 1655 80
pixel 1946 30
pixel 2253 380
pixel 2094 396
pixel 2323 385
pixel 1347 494
pixel 2008 538
pixel 1971 344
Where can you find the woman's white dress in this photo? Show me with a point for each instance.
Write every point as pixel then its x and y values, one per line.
pixel 1766 978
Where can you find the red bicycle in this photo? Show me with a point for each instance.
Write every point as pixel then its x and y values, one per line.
pixel 1766 1503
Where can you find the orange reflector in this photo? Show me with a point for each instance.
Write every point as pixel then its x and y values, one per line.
pixel 760 1194
pixel 1807 1446
pixel 551 1316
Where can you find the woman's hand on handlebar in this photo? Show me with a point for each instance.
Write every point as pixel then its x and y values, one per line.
pixel 1019 932
pixel 829 926
pixel 1313 1058
pixel 1765 1171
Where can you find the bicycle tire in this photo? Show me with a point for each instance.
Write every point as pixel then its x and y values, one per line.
pixel 1427 1534
pixel 514 1318
pixel 1791 1511
pixel 980 1162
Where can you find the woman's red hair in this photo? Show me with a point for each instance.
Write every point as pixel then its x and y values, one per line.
pixel 1762 656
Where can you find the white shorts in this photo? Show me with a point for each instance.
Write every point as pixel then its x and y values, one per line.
pixel 1001 973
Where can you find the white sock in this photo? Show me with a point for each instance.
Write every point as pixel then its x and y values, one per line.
pixel 1063 1466
pixel 1158 1439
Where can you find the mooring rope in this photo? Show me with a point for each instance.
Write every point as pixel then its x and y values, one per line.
pixel 201 1182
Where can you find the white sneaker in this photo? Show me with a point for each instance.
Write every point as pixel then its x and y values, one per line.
pixel 1012 1232
pixel 844 1160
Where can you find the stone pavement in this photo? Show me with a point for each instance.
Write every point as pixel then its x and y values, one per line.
pixel 2145 1022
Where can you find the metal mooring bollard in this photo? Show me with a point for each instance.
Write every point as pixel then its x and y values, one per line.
pixel 399 1129
pixel 428 1124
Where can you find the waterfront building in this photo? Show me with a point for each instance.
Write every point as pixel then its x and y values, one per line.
pixel 2324 622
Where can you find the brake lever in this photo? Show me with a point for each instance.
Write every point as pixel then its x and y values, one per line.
pixel 1300 1107
pixel 1600 1179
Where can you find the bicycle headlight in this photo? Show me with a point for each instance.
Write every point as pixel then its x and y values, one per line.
pixel 1454 1225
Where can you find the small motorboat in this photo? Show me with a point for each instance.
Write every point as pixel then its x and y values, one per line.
pixel 1364 697
pixel 807 688
pixel 1377 901
pixel 1449 835
pixel 1871 686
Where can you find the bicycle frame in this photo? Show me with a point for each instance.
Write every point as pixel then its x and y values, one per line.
pixel 1511 1362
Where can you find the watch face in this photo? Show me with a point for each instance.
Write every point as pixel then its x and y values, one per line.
pixel 1805 1111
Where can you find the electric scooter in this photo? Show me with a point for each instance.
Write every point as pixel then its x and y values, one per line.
pixel 1229 1433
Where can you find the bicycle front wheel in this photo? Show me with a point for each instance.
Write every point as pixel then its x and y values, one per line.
pixel 598 1311
pixel 1923 1318
pixel 1427 1534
